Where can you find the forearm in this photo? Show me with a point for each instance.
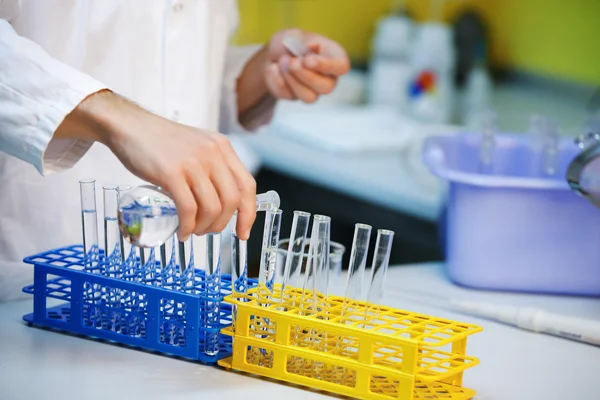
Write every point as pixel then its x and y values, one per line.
pixel 253 96
pixel 99 118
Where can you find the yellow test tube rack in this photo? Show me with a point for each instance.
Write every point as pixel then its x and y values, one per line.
pixel 348 348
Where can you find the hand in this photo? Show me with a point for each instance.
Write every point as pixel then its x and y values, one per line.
pixel 308 77
pixel 198 168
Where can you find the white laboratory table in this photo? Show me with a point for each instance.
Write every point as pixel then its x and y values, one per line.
pixel 515 365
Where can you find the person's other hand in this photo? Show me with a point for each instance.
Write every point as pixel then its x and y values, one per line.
pixel 307 77
pixel 198 168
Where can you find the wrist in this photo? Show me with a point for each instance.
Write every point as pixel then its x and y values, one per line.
pixel 251 84
pixel 95 119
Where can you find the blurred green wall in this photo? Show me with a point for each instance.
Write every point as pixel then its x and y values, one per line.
pixel 559 38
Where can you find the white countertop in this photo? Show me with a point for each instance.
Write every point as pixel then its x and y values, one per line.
pixel 515 365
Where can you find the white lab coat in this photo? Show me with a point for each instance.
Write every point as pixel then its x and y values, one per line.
pixel 170 56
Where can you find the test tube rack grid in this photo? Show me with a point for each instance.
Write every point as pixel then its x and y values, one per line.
pixel 160 320
pixel 352 349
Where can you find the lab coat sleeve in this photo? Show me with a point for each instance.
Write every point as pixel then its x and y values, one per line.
pixel 36 93
pixel 236 59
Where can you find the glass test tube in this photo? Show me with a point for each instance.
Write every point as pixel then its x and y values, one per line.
pixel 92 293
pixel 266 276
pixel 550 149
pixel 127 250
pixel 356 269
pixel 268 257
pixel 315 286
pixel 320 239
pixel 353 291
pixel 212 312
pixel 239 260
pixel 488 142
pixel 292 271
pixel 239 267
pixel 113 258
pixel 381 260
pixel 536 131
pixel 89 223
pixel 319 259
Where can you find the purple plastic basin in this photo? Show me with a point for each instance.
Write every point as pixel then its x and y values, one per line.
pixel 515 229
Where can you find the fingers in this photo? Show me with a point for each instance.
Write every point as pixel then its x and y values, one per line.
pixel 209 207
pixel 319 83
pixel 186 207
pixel 333 66
pixel 277 85
pixel 226 186
pixel 247 192
pixel 300 90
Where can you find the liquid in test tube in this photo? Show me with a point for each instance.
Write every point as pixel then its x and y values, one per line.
pixel 113 258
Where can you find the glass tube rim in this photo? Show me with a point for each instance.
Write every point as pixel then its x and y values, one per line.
pixel 321 218
pixel 302 213
pixel 385 232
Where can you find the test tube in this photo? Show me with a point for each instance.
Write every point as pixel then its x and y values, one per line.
pixel 537 125
pixel 551 144
pixel 320 240
pixel 89 223
pixel 239 260
pixel 127 250
pixel 319 259
pixel 92 295
pixel 212 312
pixel 268 257
pixel 266 276
pixel 292 271
pixel 112 234
pixel 315 286
pixel 488 141
pixel 112 259
pixel 239 267
pixel 353 292
pixel 356 269
pixel 381 259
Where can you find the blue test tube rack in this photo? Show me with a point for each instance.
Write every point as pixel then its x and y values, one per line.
pixel 147 316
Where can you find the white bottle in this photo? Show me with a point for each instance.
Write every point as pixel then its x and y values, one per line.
pixel 390 64
pixel 431 86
